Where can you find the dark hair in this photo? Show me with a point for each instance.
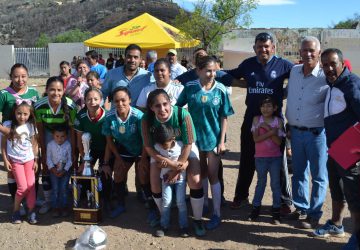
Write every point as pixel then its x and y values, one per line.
pixel 202 62
pixel 333 51
pixel 93 54
pixel 198 49
pixel 162 61
pixel 117 89
pixel 93 74
pixel 90 89
pixel 80 62
pixel 64 105
pixel 268 99
pixel 164 133
pixel 14 122
pixel 65 63
pixel 150 101
pixel 16 66
pixel 132 47
pixel 60 128
pixel 264 37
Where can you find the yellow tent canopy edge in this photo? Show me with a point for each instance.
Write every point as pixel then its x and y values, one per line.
pixel 146 31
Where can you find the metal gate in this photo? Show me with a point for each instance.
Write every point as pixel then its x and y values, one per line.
pixel 35 59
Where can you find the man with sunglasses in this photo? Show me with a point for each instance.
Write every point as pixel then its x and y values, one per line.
pixel 264 74
pixel 307 90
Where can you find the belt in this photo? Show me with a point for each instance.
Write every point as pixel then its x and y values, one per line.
pixel 312 130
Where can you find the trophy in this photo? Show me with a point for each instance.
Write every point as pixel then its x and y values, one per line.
pixel 86 138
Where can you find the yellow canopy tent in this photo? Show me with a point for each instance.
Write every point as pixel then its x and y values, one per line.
pixel 146 31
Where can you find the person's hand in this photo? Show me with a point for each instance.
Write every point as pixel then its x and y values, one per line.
pixel 221 149
pixel 265 126
pixel 288 152
pixel 54 171
pixel 274 131
pixel 8 165
pixel 182 166
pixel 107 171
pixel 173 176
pixel 61 173
pixel 35 166
pixel 163 164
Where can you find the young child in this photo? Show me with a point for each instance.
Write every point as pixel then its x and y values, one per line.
pixel 93 79
pixel 267 132
pixel 19 150
pixel 168 147
pixel 58 160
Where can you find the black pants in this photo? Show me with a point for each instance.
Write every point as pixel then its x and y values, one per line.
pixel 247 166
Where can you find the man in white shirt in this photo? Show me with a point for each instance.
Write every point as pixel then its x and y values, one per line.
pixel 176 68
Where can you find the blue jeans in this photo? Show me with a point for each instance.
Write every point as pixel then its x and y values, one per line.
pixel 59 193
pixel 309 155
pixel 263 165
pixel 180 189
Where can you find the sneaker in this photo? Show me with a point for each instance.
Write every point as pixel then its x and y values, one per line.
pixel 254 213
pixel 297 215
pixel 309 223
pixel 214 222
pixel 199 228
pixel 55 213
pixel 276 216
pixel 329 229
pixel 237 204
pixel 32 218
pixel 352 244
pixel 45 208
pixel 153 218
pixel 286 210
pixel 117 211
pixel 39 202
pixel 22 210
pixel 16 218
pixel 160 232
pixel 184 232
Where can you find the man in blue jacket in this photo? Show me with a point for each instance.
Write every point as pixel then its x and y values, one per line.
pixel 342 110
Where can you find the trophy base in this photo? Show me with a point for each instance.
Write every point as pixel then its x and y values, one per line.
pixel 87 216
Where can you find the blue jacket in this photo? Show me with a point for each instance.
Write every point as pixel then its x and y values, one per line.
pixel 342 105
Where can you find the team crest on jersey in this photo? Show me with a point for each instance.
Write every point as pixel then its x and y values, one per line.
pixel 216 100
pixel 204 98
pixel 133 128
pixel 273 74
pixel 76 122
pixel 252 73
pixel 122 129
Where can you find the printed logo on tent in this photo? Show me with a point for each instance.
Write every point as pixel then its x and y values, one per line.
pixel 133 30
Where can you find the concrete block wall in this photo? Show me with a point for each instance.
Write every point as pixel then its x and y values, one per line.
pixel 7 53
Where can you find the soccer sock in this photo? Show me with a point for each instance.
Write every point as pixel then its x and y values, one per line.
pixel 205 184
pixel 216 198
pixel 120 191
pixel 158 200
pixel 197 202
pixel 12 187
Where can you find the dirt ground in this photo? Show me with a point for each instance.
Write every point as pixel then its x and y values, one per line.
pixel 130 230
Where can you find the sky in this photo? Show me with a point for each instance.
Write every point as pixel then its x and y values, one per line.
pixel 296 13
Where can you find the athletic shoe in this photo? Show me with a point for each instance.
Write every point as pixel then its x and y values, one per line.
pixel 297 215
pixel 254 213
pixel 286 210
pixel 352 244
pixel 117 211
pixel 199 228
pixel 276 216
pixel 32 218
pixel 45 208
pixel 214 222
pixel 237 204
pixel 184 232
pixel 160 232
pixel 329 229
pixel 16 218
pixel 22 210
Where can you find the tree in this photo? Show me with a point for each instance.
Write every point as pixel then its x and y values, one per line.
pixel 212 19
pixel 71 36
pixel 349 23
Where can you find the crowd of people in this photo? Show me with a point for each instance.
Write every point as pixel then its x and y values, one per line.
pixel 171 123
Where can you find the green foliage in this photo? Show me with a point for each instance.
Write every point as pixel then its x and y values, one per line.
pixel 212 19
pixel 349 23
pixel 42 41
pixel 71 36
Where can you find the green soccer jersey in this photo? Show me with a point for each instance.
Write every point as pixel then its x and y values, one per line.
pixel 7 100
pixel 181 122
pixel 83 124
pixel 44 113
pixel 206 108
pixel 125 133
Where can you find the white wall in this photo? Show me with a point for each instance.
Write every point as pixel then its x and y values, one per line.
pixel 63 51
pixel 7 60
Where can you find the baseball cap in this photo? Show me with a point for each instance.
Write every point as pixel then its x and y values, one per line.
pixel 172 51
